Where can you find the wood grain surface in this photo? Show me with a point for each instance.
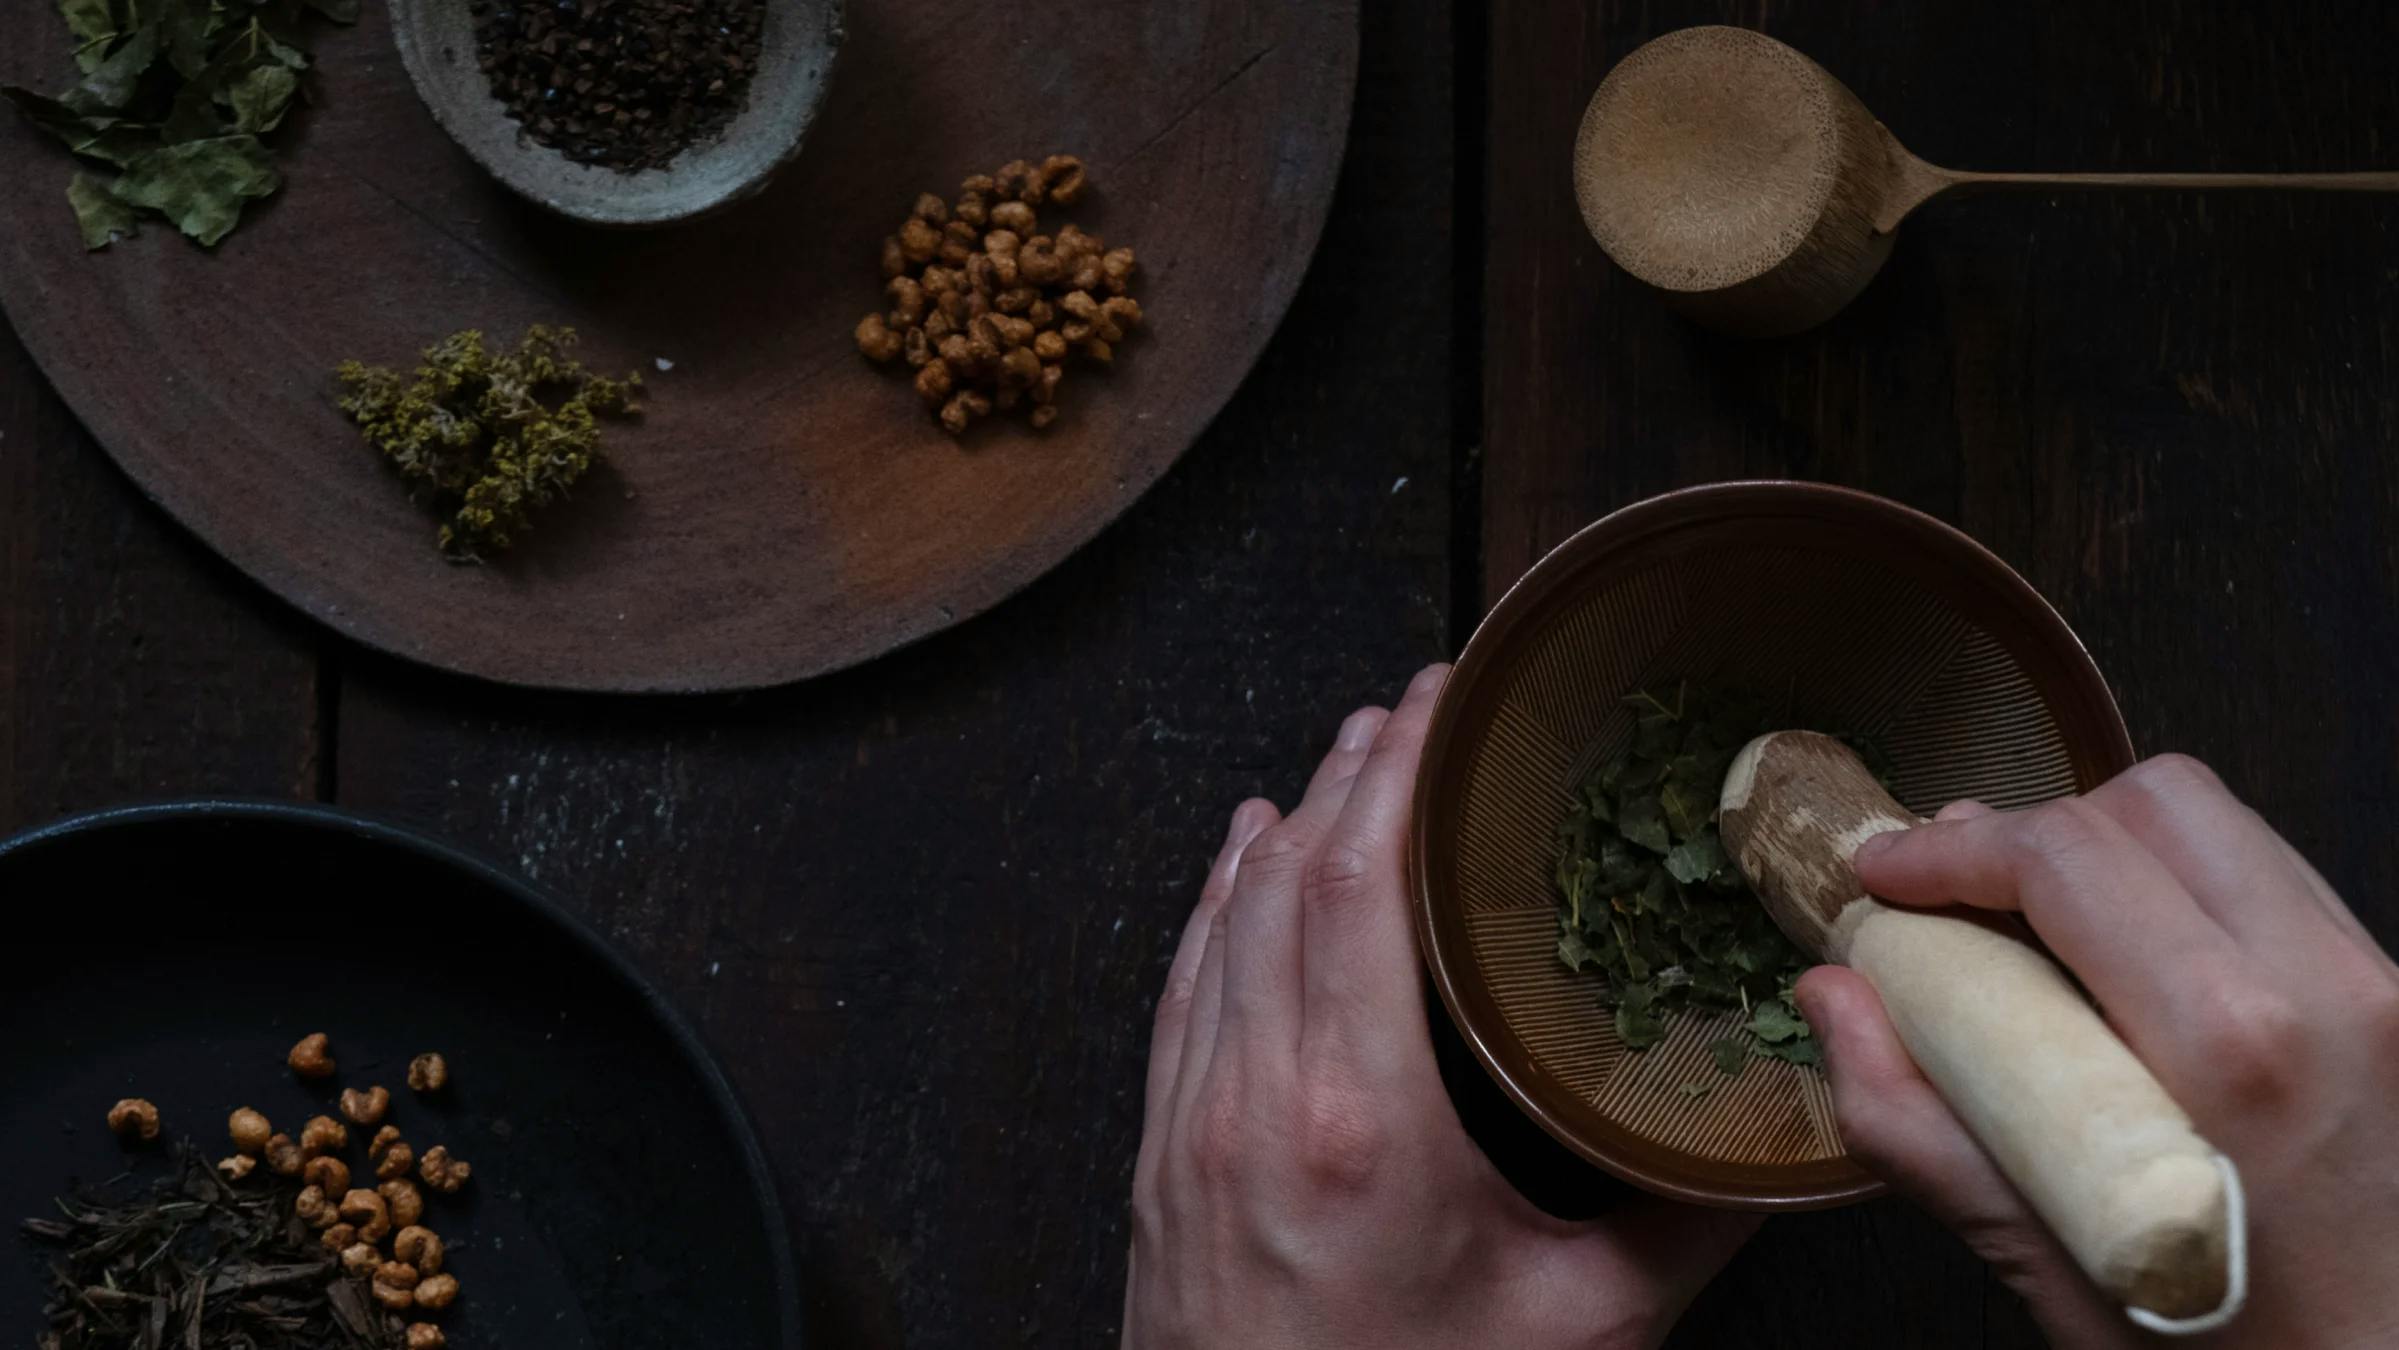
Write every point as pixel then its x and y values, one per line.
pixel 892 898
pixel 2172 413
pixel 783 508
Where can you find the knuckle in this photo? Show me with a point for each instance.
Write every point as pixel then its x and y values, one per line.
pixel 1280 849
pixel 2174 775
pixel 2255 1050
pixel 1342 1142
pixel 2061 834
pixel 1337 876
pixel 1220 1138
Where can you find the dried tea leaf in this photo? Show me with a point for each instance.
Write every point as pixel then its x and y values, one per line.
pixel 1774 1022
pixel 201 185
pixel 260 97
pixel 176 93
pixel 93 22
pixel 1684 800
pixel 95 136
pixel 1649 901
pixel 1639 1027
pixel 1730 1055
pixel 1572 950
pixel 1696 860
pixel 185 29
pixel 110 86
pixel 1641 819
pixel 104 219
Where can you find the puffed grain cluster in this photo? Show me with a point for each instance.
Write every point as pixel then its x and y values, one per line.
pixel 987 309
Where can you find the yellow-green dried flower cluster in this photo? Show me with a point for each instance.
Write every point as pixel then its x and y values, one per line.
pixel 492 437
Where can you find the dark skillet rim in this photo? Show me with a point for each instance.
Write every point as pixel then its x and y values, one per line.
pixel 2105 749
pixel 535 902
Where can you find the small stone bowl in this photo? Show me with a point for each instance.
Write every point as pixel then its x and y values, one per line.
pixel 437 44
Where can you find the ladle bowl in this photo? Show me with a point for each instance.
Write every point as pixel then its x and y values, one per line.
pixel 1749 185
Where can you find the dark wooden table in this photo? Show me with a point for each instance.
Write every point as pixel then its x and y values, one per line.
pixel 921 909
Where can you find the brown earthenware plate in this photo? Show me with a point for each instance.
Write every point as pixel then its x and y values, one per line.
pixel 783 509
pixel 1874 618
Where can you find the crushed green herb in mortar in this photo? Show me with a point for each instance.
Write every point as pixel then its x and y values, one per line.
pixel 1648 898
pixel 490 437
pixel 177 97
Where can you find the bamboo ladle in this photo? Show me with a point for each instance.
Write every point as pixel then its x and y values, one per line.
pixel 1744 181
pixel 2149 1210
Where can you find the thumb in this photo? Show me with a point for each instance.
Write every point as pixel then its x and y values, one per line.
pixel 1895 1123
pixel 1635 1271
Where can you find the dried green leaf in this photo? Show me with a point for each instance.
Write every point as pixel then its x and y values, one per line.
pixel 1639 1028
pixel 261 96
pixel 184 30
pixel 110 86
pixel 1647 898
pixel 100 136
pixel 93 22
pixel 201 186
pixel 1730 1055
pixel 194 116
pixel 1774 1022
pixel 103 219
pixel 1643 821
pixel 1572 950
pixel 1696 859
pixel 1689 803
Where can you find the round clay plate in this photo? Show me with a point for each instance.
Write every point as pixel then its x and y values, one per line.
pixel 1868 617
pixel 783 509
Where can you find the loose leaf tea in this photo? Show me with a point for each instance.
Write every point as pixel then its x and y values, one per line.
pixel 195 1261
pixel 627 84
pixel 176 95
pixel 1648 898
pixel 489 437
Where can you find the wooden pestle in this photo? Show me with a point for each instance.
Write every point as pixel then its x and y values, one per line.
pixel 2147 1207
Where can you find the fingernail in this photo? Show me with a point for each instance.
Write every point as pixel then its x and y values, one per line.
pixel 1873 846
pixel 1244 824
pixel 1358 731
pixel 1428 679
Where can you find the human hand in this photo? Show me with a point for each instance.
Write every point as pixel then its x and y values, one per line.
pixel 1303 1179
pixel 2239 978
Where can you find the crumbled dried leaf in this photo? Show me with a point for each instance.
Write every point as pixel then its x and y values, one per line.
pixel 200 185
pixel 491 437
pixel 260 97
pixel 1648 899
pixel 176 93
pixel 103 218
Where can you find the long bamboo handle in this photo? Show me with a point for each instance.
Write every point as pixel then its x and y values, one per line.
pixel 1910 182
pixel 2081 1127
pixel 2149 1209
pixel 2324 182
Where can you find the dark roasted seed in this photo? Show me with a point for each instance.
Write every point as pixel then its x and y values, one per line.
pixel 627 84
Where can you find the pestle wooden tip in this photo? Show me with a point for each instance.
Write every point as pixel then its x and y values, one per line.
pixel 1795 807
